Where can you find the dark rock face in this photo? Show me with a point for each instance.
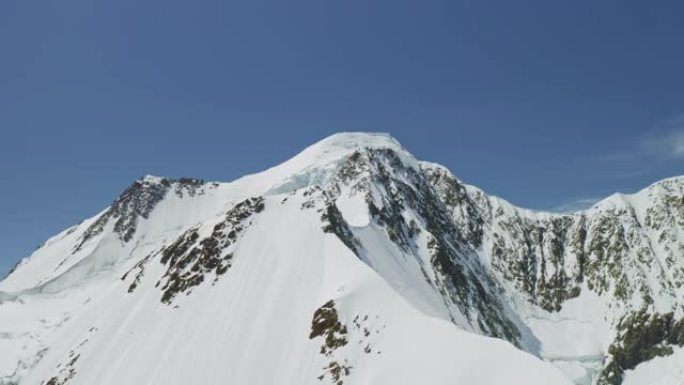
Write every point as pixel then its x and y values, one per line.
pixel 326 323
pixel 464 209
pixel 140 267
pixel 138 201
pixel 400 188
pixel 611 250
pixel 460 274
pixel 641 337
pixel 530 253
pixel 548 258
pixel 334 223
pixel 191 260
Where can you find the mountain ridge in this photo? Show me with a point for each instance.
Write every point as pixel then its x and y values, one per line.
pixel 446 250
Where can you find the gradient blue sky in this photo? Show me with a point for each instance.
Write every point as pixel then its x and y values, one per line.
pixel 550 104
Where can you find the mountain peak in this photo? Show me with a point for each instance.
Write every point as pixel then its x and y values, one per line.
pixel 316 164
pixel 355 140
pixel 151 179
pixel 341 144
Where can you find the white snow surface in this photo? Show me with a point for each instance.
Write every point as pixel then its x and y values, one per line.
pixel 659 371
pixel 353 208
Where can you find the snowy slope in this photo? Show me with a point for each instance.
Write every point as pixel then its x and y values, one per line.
pixel 351 263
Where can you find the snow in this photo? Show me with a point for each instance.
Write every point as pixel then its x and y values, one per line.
pixel 252 325
pixel 316 164
pixel 51 259
pixel 659 371
pixel 468 358
pixel 354 209
pixel 575 338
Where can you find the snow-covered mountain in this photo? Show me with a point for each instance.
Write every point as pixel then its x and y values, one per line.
pixel 351 263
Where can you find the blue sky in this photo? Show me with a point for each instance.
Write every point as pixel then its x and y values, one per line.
pixel 550 104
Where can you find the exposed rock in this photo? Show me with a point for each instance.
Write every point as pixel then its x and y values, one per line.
pixel 138 201
pixel 191 259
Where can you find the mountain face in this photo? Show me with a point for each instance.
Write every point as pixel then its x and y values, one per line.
pixel 351 263
pixel 622 259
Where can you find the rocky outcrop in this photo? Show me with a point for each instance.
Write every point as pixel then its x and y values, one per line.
pixel 138 201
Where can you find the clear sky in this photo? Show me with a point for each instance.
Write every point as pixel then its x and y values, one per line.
pixel 550 104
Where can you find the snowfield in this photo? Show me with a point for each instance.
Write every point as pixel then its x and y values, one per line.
pixel 325 269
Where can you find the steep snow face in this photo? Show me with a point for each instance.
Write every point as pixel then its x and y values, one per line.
pixel 351 263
